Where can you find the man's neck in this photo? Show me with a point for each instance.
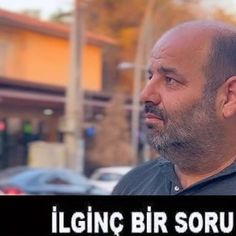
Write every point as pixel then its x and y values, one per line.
pixel 188 178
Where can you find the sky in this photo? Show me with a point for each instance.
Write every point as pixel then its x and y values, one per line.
pixel 228 5
pixel 47 7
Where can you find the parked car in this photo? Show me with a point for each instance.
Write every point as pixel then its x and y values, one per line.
pixel 107 178
pixel 26 180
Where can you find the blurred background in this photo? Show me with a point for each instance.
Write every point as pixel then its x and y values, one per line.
pixel 70 76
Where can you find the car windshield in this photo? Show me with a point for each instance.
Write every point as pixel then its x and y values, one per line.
pixel 109 177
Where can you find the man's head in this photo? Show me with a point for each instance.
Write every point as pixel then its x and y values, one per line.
pixel 190 98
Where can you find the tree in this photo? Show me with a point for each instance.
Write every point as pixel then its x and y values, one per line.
pixel 60 16
pixel 35 13
pixel 122 20
pixel 220 14
pixel 112 145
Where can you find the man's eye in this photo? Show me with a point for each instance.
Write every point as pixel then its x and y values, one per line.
pixel 170 80
pixel 149 76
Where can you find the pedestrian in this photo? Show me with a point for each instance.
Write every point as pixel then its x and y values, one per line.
pixel 190 114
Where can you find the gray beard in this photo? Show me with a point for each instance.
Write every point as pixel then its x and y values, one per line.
pixel 190 139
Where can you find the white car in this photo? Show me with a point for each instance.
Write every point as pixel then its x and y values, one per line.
pixel 107 178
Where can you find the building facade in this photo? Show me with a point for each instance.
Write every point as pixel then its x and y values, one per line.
pixel 34 71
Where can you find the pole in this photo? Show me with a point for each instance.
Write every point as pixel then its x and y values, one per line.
pixel 138 70
pixel 74 94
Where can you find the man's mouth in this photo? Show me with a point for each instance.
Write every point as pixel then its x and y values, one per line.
pixel 150 118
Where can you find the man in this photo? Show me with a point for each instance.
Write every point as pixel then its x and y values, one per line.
pixel 190 114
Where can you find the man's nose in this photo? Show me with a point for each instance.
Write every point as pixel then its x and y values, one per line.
pixel 150 93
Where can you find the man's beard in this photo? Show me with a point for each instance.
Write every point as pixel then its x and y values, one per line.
pixel 190 137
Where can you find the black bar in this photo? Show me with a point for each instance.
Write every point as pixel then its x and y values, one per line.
pixel 32 215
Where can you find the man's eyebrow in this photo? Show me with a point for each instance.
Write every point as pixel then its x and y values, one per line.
pixel 169 70
pixel 166 70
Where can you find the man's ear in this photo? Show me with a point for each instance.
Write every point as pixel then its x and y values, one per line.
pixel 229 105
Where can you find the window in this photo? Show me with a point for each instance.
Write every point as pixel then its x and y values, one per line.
pixel 57 181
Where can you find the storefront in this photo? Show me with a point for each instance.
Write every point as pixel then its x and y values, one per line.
pixel 28 112
pixel 31 111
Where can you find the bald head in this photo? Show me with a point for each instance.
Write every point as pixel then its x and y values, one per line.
pixel 204 26
pixel 201 29
pixel 213 42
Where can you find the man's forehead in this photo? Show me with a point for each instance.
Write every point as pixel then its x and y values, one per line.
pixel 197 32
pixel 182 40
pixel 183 44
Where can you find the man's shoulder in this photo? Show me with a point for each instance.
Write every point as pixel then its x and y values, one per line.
pixel 141 176
pixel 148 166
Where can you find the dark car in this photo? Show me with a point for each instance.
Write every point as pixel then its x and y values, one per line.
pixel 26 180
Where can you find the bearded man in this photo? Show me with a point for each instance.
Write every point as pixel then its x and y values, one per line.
pixel 190 114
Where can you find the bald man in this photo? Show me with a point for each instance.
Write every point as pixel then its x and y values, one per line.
pixel 190 114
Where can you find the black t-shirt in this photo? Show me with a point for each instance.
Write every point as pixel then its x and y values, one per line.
pixel 158 177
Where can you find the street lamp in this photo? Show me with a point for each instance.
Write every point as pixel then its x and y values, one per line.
pixel 73 125
pixel 144 44
pixel 125 65
pixel 138 71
